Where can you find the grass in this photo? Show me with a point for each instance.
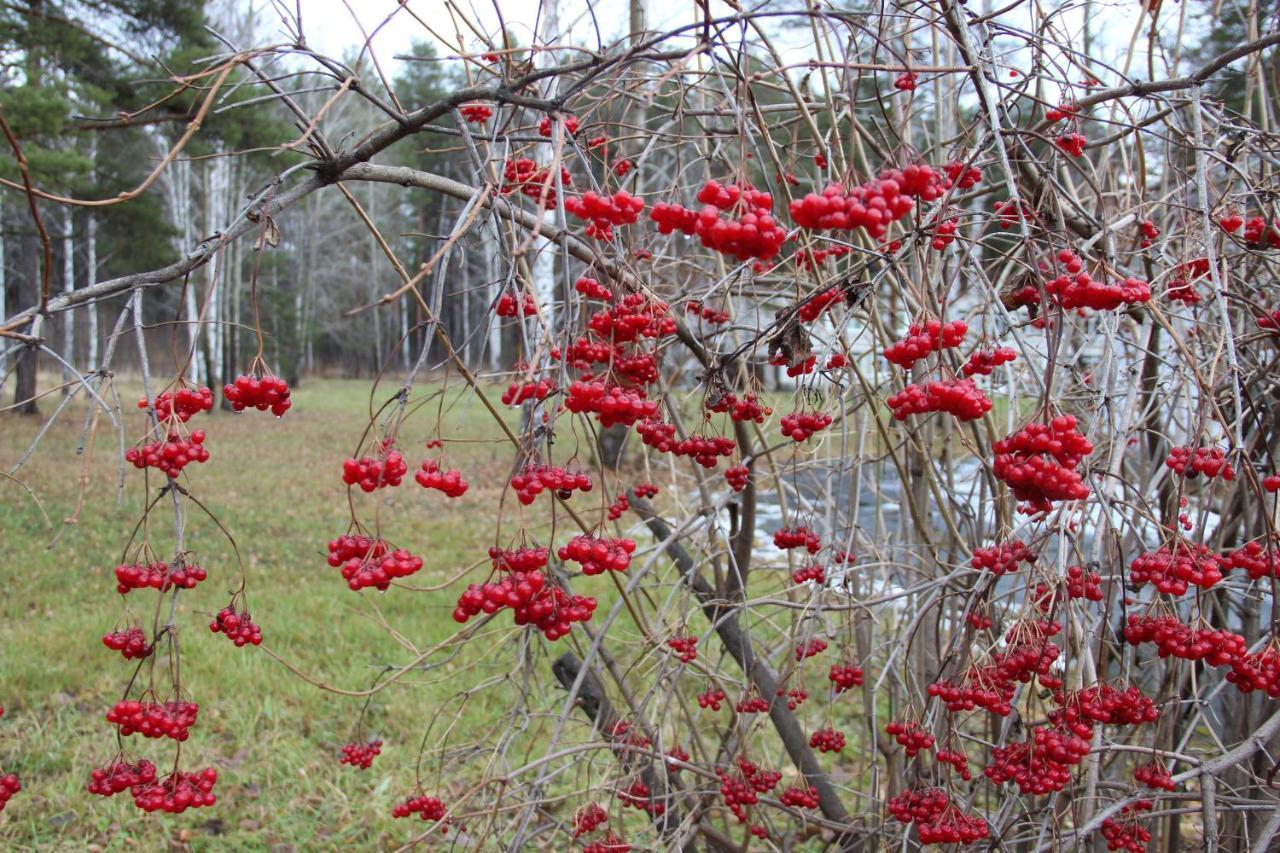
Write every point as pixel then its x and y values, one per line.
pixel 272 735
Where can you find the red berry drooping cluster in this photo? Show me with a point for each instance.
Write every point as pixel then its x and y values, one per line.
pixel 827 740
pixel 154 719
pixel 1128 833
pixel 1061 112
pixel 570 125
pixel 619 507
pixel 428 808
pixel 815 572
pixel 980 687
pixel 741 787
pixel 752 705
pixel 960 398
pixel 1174 566
pixel 1072 143
pixel 593 289
pixel 1258 561
pixel 810 648
pixel 610 843
pixel 366 562
pixel 119 776
pixel 237 626
pixel 820 302
pixel 962 176
pixel 605 211
pixel 1259 671
pixel 612 404
pixel 157 575
pixel 635 316
pixel 984 362
pixel 910 736
pixel 645 490
pixel 1260 234
pixel 906 81
pixel 361 755
pixel 518 393
pixel 797 537
pixel 476 113
pixel 711 699
pixel 1039 463
pixel 1078 289
pixel 924 338
pixel 533 480
pixel 753 234
pixel 525 591
pixel 1003 558
pixel 800 797
pixel 171 455
pixel 177 792
pixel 944 234
pixel 685 647
pixel 131 643
pixel 181 404
pixel 598 555
pixel 9 785
pixel 845 676
pixel 431 476
pixel 1209 461
pixel 800 426
pixel 957 760
pixel 737 477
pixel 387 468
pixel 507 306
pixel 261 393
pixel 588 819
pixel 1155 775
pixel 1174 639
pixel 872 206
pixel 938 820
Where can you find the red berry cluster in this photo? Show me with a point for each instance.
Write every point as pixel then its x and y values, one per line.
pixel 645 490
pixel 1261 235
pixel 131 643
pixel 827 740
pixel 532 601
pixel 1062 111
pixel 1149 233
pixel 737 477
pixel 1127 833
pixel 1072 143
pixel 361 755
pixel 622 167
pixel 800 797
pixel 797 537
pixel 611 843
pixel 1037 767
pixel 157 575
pixel 1003 558
pixel 815 572
pixel 639 796
pixel 9 785
pixel 1155 775
pixel 261 393
pixel 1039 463
pixel 1258 561
pixel 612 404
pixel 938 820
pixel 1174 566
pixel 984 362
pixel 533 181
pixel 944 234
pixel 1102 703
pixel 795 697
pixel 707 314
pixel 476 113
pixel 238 627
pixel 119 776
pixel 619 507
pixel 182 403
pixel 154 719
pixel 980 687
pixel 533 480
pixel 980 621
pixel 428 808
pixel 959 398
pixel 685 647
pixel 1258 671
pixel 598 555
pixel 1231 222
pixel 431 476
pixel 1210 461
pixel 593 289
pixel 634 316
pixel 711 699
pixel 588 819
pixel 924 338
pixel 961 176
pixel 375 472
pixel 743 787
pixel 906 81
pixel 753 234
pixel 1174 639
pixel 821 301
pixel 810 648
pixel 366 562
pixel 1081 291
pixel 518 393
pixel 1271 483
pixel 605 211
pixel 570 125
pixel 872 206
pixel 1007 212
pixel 910 736
pixel 800 426
pixel 752 705
pixel 507 306
pixel 845 676
pixel 957 760
pixel 171 455
pixel 177 792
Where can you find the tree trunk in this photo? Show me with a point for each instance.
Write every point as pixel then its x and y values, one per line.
pixel 24 384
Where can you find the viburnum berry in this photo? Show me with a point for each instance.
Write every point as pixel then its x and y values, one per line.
pixel 612 404
pixel 570 123
pixel 532 600
pixel 924 338
pixel 1127 833
pixel 836 361
pixel 1258 671
pixel 387 468
pixel 711 698
pixel 1155 775
pixel 507 306
pixel 598 555
pixel 1101 703
pixel 1231 222
pixel 1059 113
pixel 797 537
pixel 1271 483
pixel 361 755
pixel 1260 234
pixel 737 477
pixel 752 705
pixel 119 776
pixel 181 404
pixel 1080 290
pixel 427 808
pixel 795 697
pixel 366 562
pixel 957 760
pixel 906 81
pixel 604 212
pixel 258 392
pixel 979 620
pixel 845 676
pixel 753 234
pixel 820 302
pixel 984 362
pixel 986 687
pixel 131 643
pixel 1209 461
pixel 177 792
pixel 639 796
pixel 909 736
pixel 800 797
pixel 619 507
pixel 1039 461
pixel 815 572
pixel 827 740
pixel 1172 567
pixel 158 575
pixel 1003 558
pixel 937 819
pixel 1072 143
pixel 154 719
pixel 476 113
pixel 685 647
pixel 1260 562
pixel 431 476
pixel 237 626
pixel 611 843
pixel 537 183
pixel 1175 639
pixel 518 393
pixel 645 490
pixel 801 426
pixel 593 289
pixel 959 398
pixel 171 455
pixel 588 819
pixel 9 785
pixel 944 234
pixel 533 480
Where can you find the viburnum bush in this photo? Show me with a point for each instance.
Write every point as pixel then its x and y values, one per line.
pixel 948 388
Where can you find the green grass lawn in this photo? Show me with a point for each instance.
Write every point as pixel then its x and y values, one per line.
pixel 273 737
